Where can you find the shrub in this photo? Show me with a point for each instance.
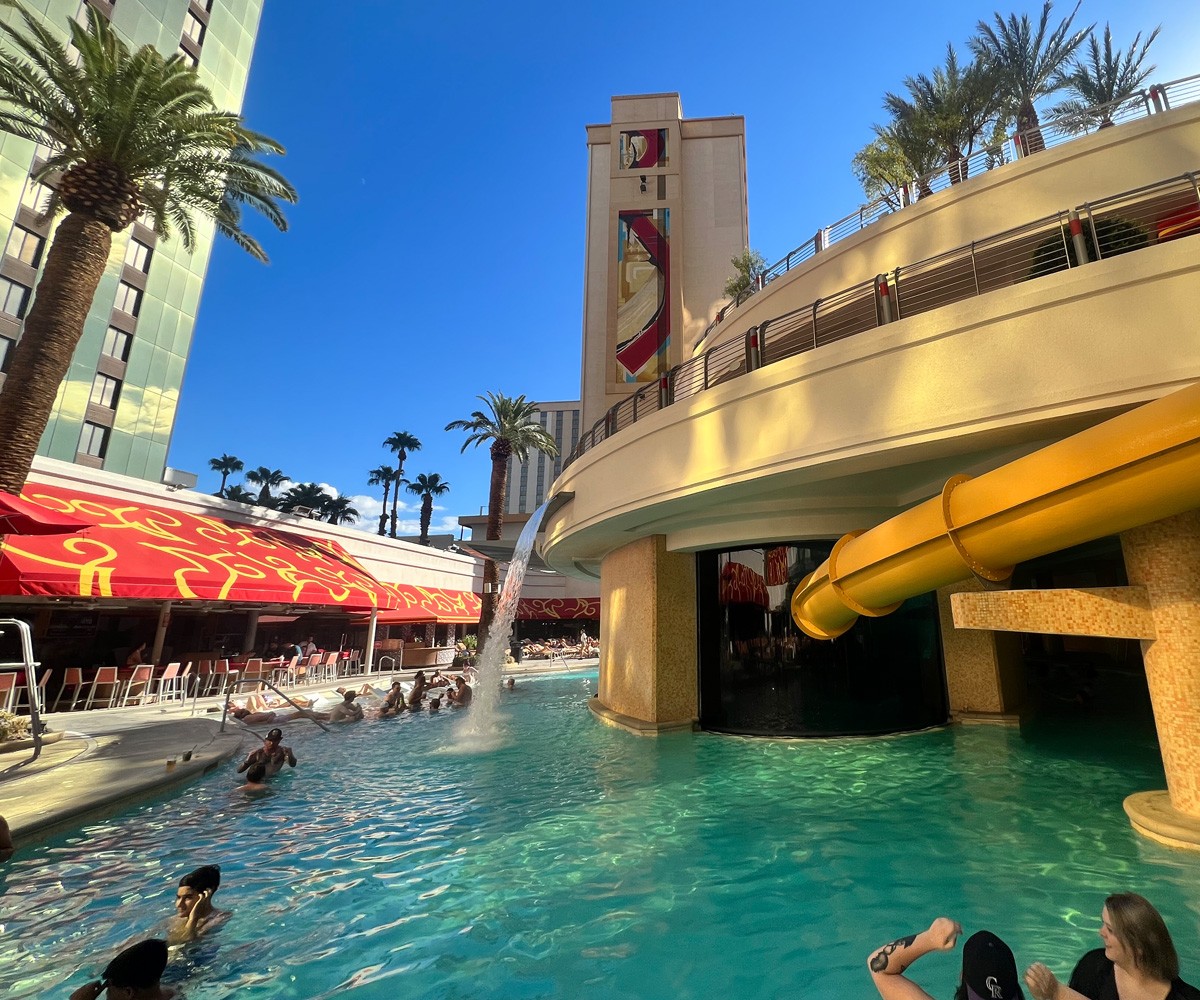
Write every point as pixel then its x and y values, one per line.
pixel 1115 236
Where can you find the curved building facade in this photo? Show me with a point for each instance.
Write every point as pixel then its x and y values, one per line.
pixel 957 337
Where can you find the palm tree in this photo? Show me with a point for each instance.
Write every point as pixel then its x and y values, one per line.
pixel 128 132
pixel 1028 62
pixel 311 495
pixel 427 487
pixel 226 465
pixel 337 510
pixel 266 480
pixel 1102 81
pixel 513 429
pixel 401 443
pixel 239 494
pixel 895 157
pixel 383 475
pixel 952 110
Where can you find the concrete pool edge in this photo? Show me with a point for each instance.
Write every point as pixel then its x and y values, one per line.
pixel 114 770
pixel 637 726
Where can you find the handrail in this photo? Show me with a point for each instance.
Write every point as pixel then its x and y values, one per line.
pixel 30 666
pixel 904 291
pixel 1154 99
pixel 255 680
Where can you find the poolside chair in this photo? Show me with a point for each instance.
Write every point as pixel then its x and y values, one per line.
pixel 106 677
pixel 253 671
pixel 39 691
pixel 285 674
pixel 204 677
pixel 353 662
pixel 185 680
pixel 8 690
pixel 329 667
pixel 223 674
pixel 138 685
pixel 167 685
pixel 72 677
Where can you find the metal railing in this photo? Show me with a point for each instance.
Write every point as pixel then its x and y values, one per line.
pixel 1097 230
pixel 29 665
pixel 304 712
pixel 1053 132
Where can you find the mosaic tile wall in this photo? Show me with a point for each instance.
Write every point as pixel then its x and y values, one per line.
pixel 1115 612
pixel 983 669
pixel 648 607
pixel 1164 557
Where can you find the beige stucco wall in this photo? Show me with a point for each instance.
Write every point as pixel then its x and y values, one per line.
pixel 648 618
pixel 703 187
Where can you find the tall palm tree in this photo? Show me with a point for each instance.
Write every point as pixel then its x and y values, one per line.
pixel 383 475
pixel 401 443
pixel 314 496
pixel 1028 62
pixel 512 428
pixel 953 109
pixel 427 487
pixel 128 132
pixel 239 494
pixel 1102 80
pixel 266 480
pixel 338 510
pixel 226 465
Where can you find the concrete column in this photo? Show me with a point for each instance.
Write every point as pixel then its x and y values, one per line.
pixel 1164 558
pixel 648 665
pixel 250 636
pixel 984 675
pixel 160 632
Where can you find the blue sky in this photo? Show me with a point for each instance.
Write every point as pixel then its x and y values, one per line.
pixel 439 151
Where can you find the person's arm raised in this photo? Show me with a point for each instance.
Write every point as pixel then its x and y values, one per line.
pixel 888 963
pixel 1045 985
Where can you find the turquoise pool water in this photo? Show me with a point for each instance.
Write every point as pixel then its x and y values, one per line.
pixel 575 860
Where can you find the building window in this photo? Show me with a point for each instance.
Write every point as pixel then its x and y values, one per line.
pixel 36 197
pixel 14 298
pixel 129 299
pixel 94 440
pixel 105 391
pixel 116 344
pixel 188 58
pixel 25 246
pixel 193 27
pixel 138 256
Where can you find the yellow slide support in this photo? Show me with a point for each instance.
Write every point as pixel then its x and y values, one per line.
pixel 1139 467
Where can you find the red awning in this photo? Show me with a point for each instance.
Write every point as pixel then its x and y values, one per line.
pixel 565 608
pixel 742 585
pixel 429 604
pixel 156 553
pixel 19 516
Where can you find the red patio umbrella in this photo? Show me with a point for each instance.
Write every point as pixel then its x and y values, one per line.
pixel 20 517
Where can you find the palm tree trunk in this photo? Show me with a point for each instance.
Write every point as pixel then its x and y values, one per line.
pixel 426 516
pixel 383 516
pixel 396 494
pixel 42 356
pixel 224 478
pixel 497 493
pixel 1029 129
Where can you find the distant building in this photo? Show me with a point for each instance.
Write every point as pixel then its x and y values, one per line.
pixel 116 408
pixel 529 482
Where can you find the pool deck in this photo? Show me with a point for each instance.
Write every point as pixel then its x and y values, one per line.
pixel 104 759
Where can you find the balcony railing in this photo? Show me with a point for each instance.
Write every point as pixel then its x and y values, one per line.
pixel 1157 98
pixel 1093 231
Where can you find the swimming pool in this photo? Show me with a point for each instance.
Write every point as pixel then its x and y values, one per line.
pixel 576 860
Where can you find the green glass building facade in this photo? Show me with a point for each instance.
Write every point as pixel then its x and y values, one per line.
pixel 116 408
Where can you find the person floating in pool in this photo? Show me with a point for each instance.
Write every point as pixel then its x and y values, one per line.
pixel 346 710
pixel 194 912
pixel 271 753
pixel 134 974
pixel 256 781
pixel 989 970
pixel 461 693
pixel 1138 959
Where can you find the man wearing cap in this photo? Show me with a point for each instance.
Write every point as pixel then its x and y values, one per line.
pixel 132 975
pixel 989 970
pixel 271 753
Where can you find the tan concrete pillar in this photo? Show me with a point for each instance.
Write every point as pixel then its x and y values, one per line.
pixel 648 667
pixel 1164 557
pixel 984 672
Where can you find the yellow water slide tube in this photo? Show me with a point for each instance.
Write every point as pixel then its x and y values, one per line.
pixel 1136 468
